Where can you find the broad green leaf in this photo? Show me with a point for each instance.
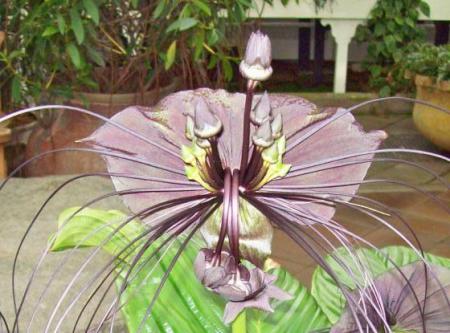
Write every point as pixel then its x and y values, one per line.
pixel 170 55
pixel 74 54
pixel 77 25
pixel 300 315
pixel 92 10
pixel 184 305
pixel 324 288
pixel 91 227
pixel 49 31
pixel 328 295
pixel 183 23
pixel 402 256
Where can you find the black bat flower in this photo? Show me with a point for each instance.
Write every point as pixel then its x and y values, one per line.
pixel 230 167
pixel 414 298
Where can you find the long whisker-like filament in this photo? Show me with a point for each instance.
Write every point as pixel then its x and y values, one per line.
pixel 93 114
pixel 100 152
pixel 281 189
pixel 42 207
pixel 206 213
pixel 362 269
pixel 300 170
pixel 147 211
pixel 419 252
pixel 172 236
pixel 300 238
pixel 186 221
pixel 326 122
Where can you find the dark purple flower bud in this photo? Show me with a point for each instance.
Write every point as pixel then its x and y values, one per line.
pixel 207 124
pixel 263 135
pixel 258 56
pixel 277 126
pixel 400 297
pixel 243 288
pixel 262 111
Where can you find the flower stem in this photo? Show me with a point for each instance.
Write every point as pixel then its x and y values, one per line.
pixel 240 323
pixel 246 129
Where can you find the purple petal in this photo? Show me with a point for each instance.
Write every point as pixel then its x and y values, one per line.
pixel 154 127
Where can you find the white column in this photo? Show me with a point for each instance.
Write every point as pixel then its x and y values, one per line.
pixel 343 31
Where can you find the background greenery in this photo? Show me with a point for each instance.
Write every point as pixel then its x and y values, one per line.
pixel 391 33
pixel 429 60
pixel 56 47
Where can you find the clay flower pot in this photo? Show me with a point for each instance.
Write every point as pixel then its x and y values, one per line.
pixel 432 123
pixel 71 126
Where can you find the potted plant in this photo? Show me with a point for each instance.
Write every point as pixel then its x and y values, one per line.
pixel 107 55
pixel 429 67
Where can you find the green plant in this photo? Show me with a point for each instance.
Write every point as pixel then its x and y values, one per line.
pixel 200 311
pixel 56 47
pixel 390 32
pixel 430 60
pixel 197 309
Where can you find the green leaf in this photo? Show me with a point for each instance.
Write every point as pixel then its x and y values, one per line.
pixel 302 314
pixel 92 10
pixel 329 296
pixel 409 21
pixel 213 37
pixel 159 9
pixel 61 23
pixel 324 288
pixel 96 57
pixel 91 227
pixel 15 89
pixel 424 7
pixel 181 24
pixel 49 31
pixel 380 29
pixel 184 305
pixel 77 25
pixel 198 40
pixel 402 255
pixel 170 55
pixel 385 91
pixel 375 70
pixel 74 55
pixel 227 70
pixel 202 6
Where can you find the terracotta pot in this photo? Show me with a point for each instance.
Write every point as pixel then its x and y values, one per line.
pixel 71 126
pixel 432 123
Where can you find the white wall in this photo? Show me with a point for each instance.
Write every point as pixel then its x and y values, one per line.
pixel 284 36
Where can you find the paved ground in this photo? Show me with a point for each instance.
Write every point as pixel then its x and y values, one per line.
pixel 22 196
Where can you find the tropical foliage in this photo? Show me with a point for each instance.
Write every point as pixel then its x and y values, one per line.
pixel 429 60
pixel 391 32
pixel 198 310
